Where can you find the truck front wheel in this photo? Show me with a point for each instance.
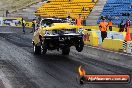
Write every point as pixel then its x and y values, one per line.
pixel 66 51
pixel 80 45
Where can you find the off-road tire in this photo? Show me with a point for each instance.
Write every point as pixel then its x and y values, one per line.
pixel 66 51
pixel 80 45
pixel 37 50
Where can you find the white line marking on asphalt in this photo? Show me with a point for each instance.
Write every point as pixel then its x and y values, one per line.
pixel 110 51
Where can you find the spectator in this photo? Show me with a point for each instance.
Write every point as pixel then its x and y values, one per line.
pixel 106 17
pixel 101 17
pixel 110 25
pixel 84 21
pixel 128 23
pixel 7 12
pixel 69 19
pixel 122 26
pixel 33 26
pixel 39 19
pixel 23 25
pixel 83 9
pixel 131 5
pixel 79 20
pixel 90 9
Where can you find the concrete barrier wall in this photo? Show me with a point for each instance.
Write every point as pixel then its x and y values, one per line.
pixel 114 40
pixel 113 44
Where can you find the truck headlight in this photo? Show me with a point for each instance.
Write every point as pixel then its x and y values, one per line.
pixel 80 30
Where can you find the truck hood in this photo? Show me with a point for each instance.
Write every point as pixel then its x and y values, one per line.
pixel 60 26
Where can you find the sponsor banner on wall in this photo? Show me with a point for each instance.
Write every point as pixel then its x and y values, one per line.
pixel 129 47
pixel 115 35
pixel 99 36
pixel 12 21
pixel 90 38
pixel 16 22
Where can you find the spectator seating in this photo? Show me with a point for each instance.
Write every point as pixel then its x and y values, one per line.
pixel 115 8
pixel 64 8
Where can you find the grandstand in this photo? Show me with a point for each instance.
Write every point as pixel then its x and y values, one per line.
pixel 64 8
pixel 115 8
pixel 91 10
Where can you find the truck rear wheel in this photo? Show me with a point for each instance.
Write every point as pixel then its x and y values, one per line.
pixel 44 47
pixel 80 45
pixel 44 51
pixel 37 49
pixel 66 51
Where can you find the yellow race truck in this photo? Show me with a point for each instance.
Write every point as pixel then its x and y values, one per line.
pixel 55 34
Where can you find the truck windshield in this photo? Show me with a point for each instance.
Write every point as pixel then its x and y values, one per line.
pixel 47 22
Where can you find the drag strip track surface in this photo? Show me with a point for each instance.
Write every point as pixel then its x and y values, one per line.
pixel 22 69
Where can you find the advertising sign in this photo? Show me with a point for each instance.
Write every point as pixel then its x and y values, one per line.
pixel 115 35
pixel 129 47
pixel 12 22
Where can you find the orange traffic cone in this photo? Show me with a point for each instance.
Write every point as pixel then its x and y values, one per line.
pixel 128 35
